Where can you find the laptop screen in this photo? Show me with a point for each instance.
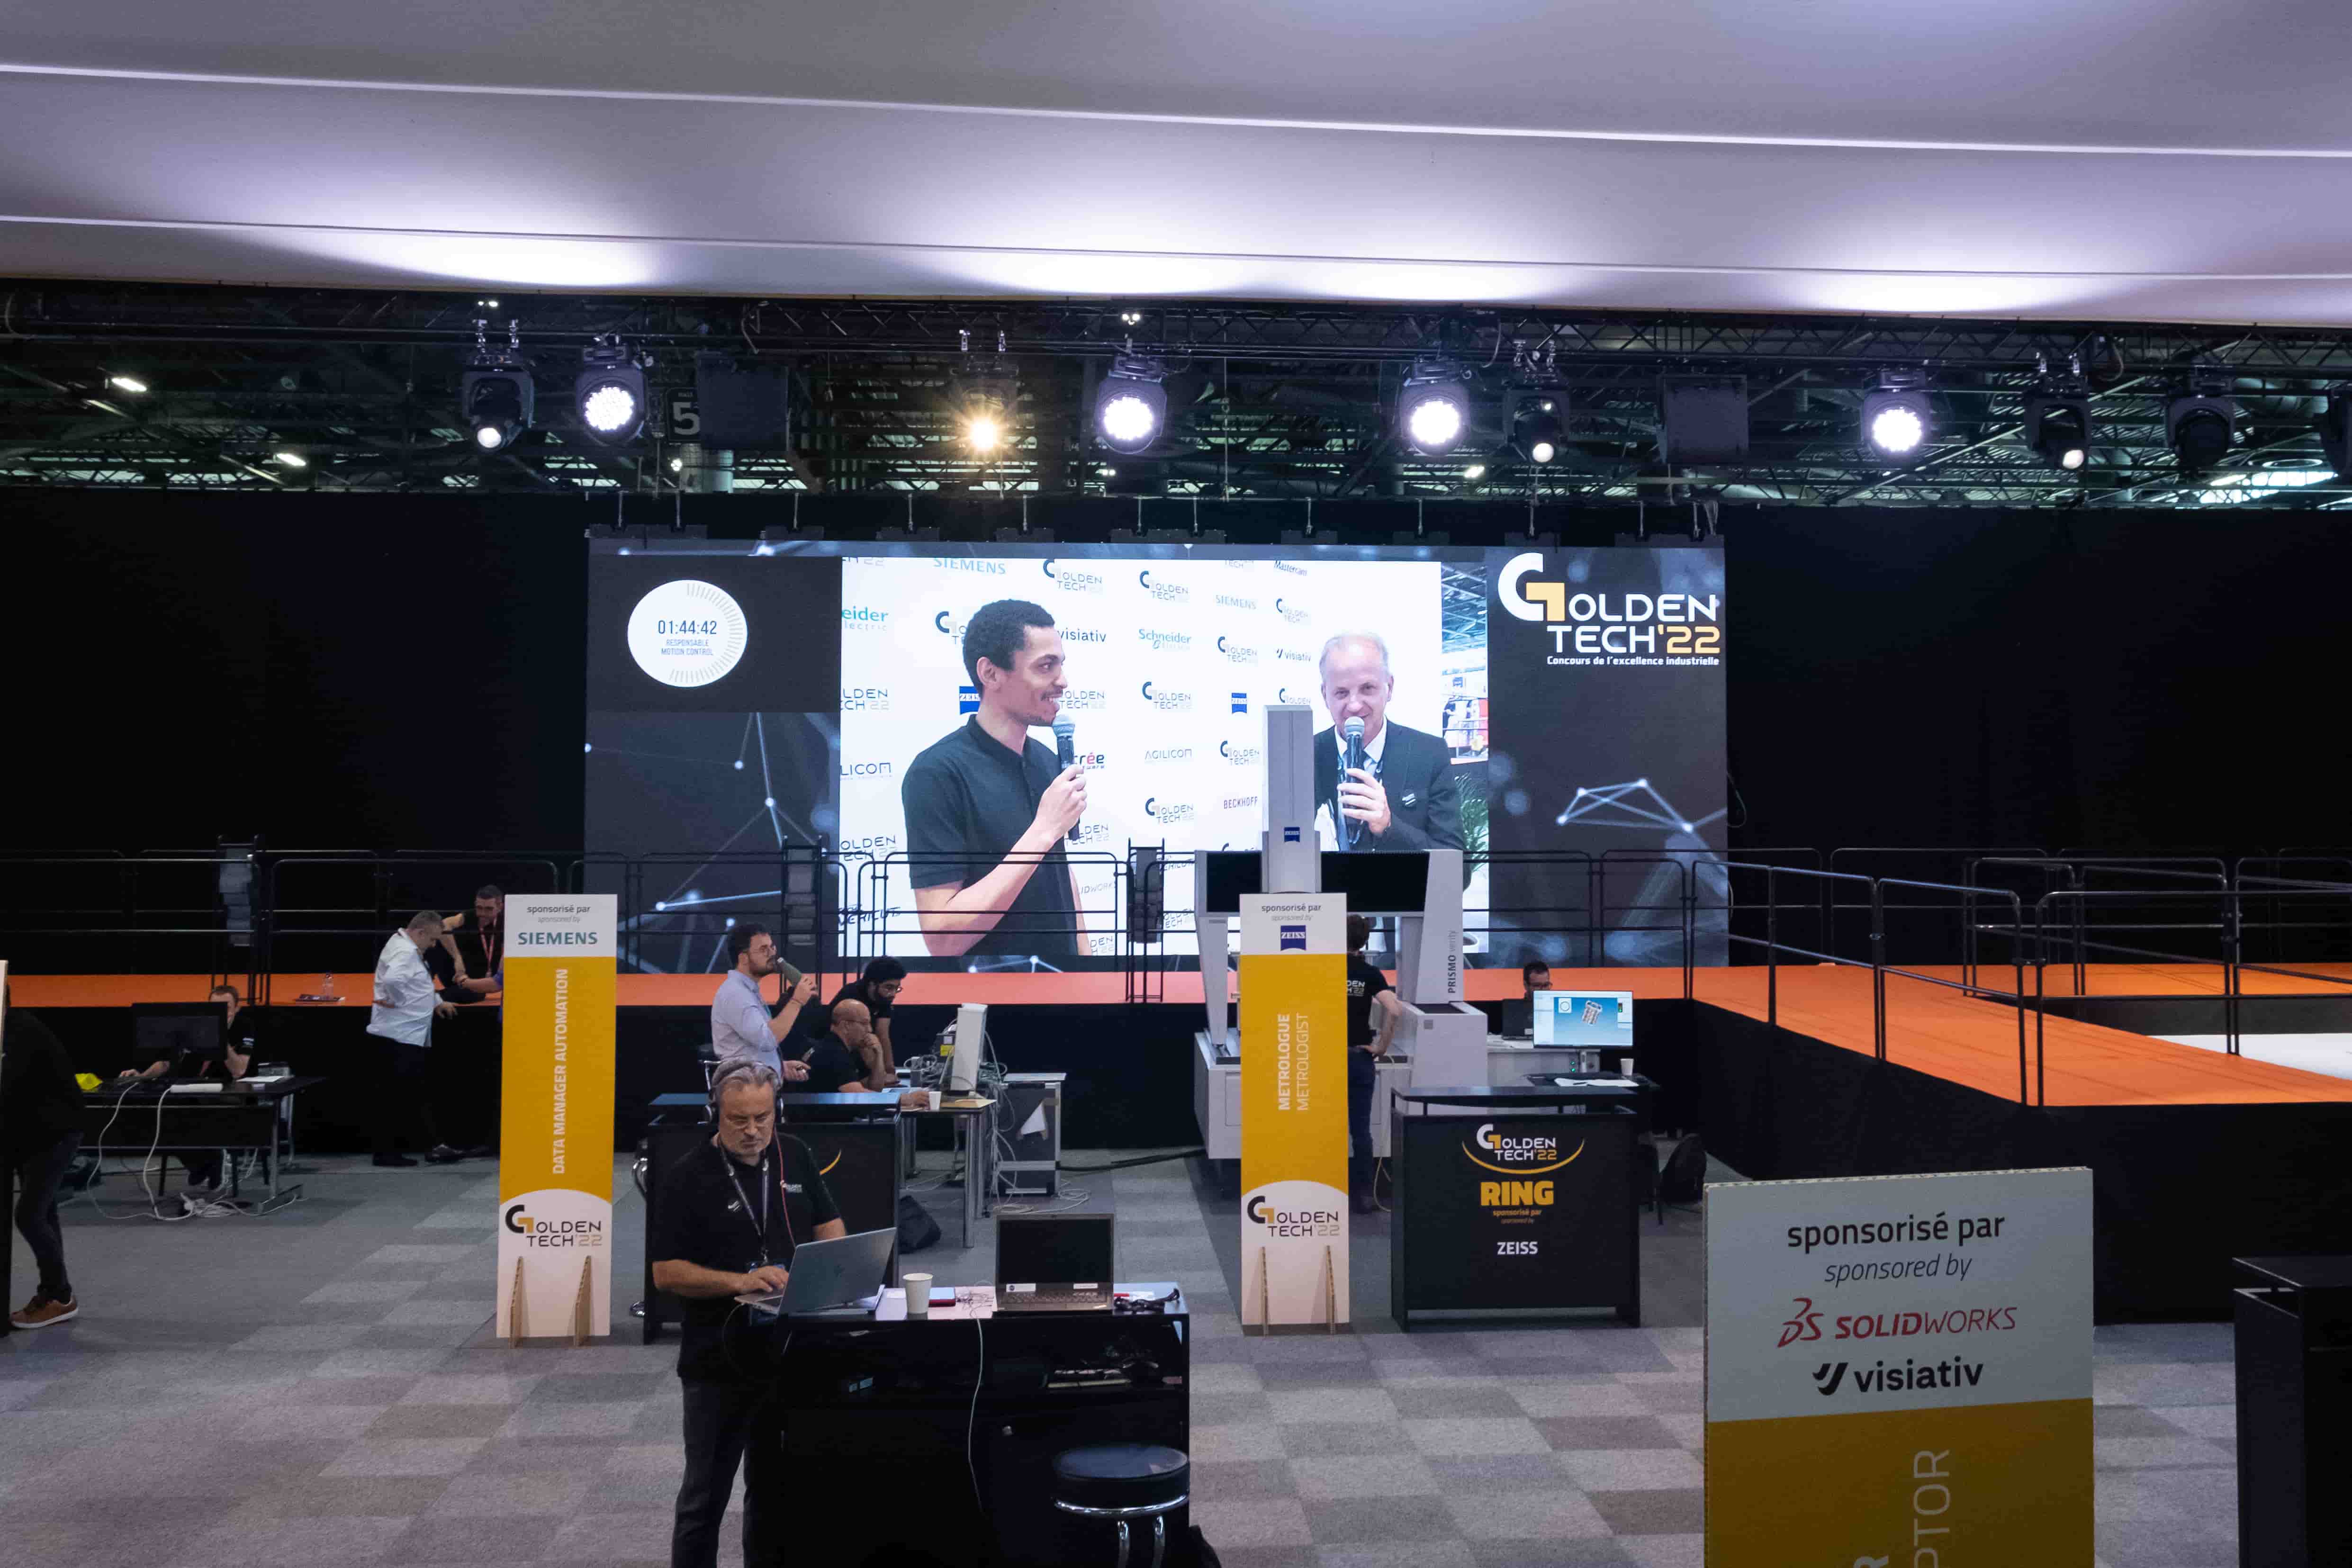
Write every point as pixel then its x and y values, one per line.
pixel 1584 1018
pixel 1053 1249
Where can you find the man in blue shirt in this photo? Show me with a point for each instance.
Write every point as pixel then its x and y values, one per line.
pixel 741 1028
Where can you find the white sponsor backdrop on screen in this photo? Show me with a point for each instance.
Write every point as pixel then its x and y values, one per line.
pixel 1171 667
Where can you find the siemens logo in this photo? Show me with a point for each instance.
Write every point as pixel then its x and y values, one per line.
pixel 957 564
pixel 1169 754
pixel 1231 601
pixel 557 938
pixel 1162 641
pixel 1236 653
pixel 864 698
pixel 866 769
pixel 1166 593
pixel 859 614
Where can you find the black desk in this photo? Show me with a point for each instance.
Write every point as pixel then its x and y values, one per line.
pixel 866 1405
pixel 2294 1409
pixel 146 1118
pixel 1521 1199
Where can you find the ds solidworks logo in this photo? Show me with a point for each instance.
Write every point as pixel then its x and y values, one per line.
pixel 1166 593
pixel 1804 1324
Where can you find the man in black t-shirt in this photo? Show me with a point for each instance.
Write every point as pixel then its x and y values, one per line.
pixel 40 1129
pixel 848 1057
pixel 988 809
pixel 1369 998
pixel 727 1219
pixel 878 989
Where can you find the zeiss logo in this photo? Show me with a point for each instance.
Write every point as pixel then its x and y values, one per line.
pixel 859 615
pixel 1073 582
pixel 1294 939
pixel 1162 641
pixel 968 699
pixel 1232 603
pixel 866 769
pixel 1166 593
pixel 1158 813
pixel 1241 701
pixel 1291 613
pixel 1240 756
pixel 1290 836
pixel 1236 653
pixel 1167 701
pixel 864 698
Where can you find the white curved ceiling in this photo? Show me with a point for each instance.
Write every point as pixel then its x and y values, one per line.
pixel 2167 160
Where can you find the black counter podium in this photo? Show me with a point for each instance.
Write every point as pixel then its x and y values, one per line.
pixel 2295 1412
pixel 1513 1199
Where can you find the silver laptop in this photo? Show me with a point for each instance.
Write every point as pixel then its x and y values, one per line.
pixel 840 1274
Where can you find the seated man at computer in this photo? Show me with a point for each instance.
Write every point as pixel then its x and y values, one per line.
pixel 238 1043
pixel 721 1228
pixel 849 1057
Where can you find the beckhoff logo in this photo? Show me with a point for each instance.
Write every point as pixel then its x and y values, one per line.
pixel 1803 1324
pixel 1166 699
pixel 1236 802
pixel 1070 580
pixel 1233 602
pixel 1162 641
pixel 1236 653
pixel 864 698
pixel 1291 613
pixel 1166 593
pixel 864 615
pixel 1171 813
pixel 1881 1378
pixel 1292 939
pixel 1240 756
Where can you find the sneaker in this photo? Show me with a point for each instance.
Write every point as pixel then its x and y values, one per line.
pixel 443 1154
pixel 40 1312
pixel 394 1160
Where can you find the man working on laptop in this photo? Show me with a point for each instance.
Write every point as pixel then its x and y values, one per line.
pixel 723 1227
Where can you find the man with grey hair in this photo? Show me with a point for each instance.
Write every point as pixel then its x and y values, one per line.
pixel 400 1028
pixel 1402 796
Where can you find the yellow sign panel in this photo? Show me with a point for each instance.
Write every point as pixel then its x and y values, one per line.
pixel 1294 1049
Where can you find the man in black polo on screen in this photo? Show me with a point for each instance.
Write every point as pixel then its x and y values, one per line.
pixel 727 1219
pixel 988 809
pixel 1405 797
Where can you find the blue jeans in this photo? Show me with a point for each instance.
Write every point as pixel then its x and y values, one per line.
pixel 39 1177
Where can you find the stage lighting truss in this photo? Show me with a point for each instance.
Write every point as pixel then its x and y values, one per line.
pixel 1896 419
pixel 2058 418
pixel 1131 404
pixel 610 394
pixel 2336 429
pixel 1539 425
pixel 495 394
pixel 2202 421
pixel 1433 411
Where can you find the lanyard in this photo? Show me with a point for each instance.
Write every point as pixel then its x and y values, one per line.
pixel 728 1160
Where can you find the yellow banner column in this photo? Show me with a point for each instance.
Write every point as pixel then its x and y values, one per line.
pixel 556 1130
pixel 1294 1046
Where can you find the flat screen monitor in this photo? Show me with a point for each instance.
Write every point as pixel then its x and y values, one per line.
pixel 1053 1249
pixel 1602 1018
pixel 971 1033
pixel 176 1031
pixel 1372 884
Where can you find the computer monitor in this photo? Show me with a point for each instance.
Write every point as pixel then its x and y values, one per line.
pixel 1603 1019
pixel 177 1030
pixel 1053 1249
pixel 970 1030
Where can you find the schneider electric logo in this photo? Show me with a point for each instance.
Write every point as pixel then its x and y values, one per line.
pixel 687 633
pixel 1166 593
pixel 1162 641
pixel 863 615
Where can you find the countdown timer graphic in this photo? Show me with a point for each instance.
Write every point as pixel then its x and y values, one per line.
pixel 687 633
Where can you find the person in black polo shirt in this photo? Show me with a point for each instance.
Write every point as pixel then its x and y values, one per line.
pixel 727 1219
pixel 1369 998
pixel 988 809
pixel 40 1129
pixel 878 988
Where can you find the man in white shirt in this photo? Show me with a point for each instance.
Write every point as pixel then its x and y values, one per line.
pixel 741 1029
pixel 401 1026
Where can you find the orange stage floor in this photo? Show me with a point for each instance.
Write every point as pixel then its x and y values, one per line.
pixel 1963 1040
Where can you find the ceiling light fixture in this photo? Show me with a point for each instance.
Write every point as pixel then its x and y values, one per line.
pixel 1433 412
pixel 495 394
pixel 1537 427
pixel 1896 419
pixel 126 383
pixel 610 393
pixel 2058 417
pixel 1131 404
pixel 2202 421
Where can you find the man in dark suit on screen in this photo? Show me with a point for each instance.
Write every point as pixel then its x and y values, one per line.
pixel 1405 798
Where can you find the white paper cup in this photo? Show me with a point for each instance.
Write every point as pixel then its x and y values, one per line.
pixel 918 1294
pixel 925 1100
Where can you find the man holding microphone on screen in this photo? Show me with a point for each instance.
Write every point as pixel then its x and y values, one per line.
pixel 989 809
pixel 1385 787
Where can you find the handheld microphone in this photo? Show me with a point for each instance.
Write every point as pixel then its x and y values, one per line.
pixel 1353 733
pixel 1353 729
pixel 1066 748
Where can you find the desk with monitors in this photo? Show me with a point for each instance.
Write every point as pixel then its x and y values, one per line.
pixel 139 1119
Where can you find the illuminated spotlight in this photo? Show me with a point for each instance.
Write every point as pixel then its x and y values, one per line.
pixel 1131 404
pixel 1896 419
pixel 1433 412
pixel 1105 472
pixel 1535 427
pixel 983 433
pixel 2336 429
pixel 610 394
pixel 2058 426
pixel 2201 424
pixel 1478 471
pixel 496 397
pixel 293 460
pixel 1130 318
pixel 126 383
pixel 676 465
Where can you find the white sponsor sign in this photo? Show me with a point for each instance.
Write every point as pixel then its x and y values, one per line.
pixel 1294 923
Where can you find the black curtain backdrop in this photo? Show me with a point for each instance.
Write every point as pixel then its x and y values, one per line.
pixel 405 671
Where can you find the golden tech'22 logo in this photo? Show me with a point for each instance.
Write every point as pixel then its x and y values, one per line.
pixel 1587 627
pixel 1524 1158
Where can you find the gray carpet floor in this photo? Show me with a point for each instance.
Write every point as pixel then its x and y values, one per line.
pixel 321 1387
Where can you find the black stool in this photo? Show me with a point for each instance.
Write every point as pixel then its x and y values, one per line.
pixel 1123 1483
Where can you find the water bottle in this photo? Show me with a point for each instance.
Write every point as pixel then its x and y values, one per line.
pixel 326 985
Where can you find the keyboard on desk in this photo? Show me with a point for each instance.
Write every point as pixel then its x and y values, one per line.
pixel 1053 1298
